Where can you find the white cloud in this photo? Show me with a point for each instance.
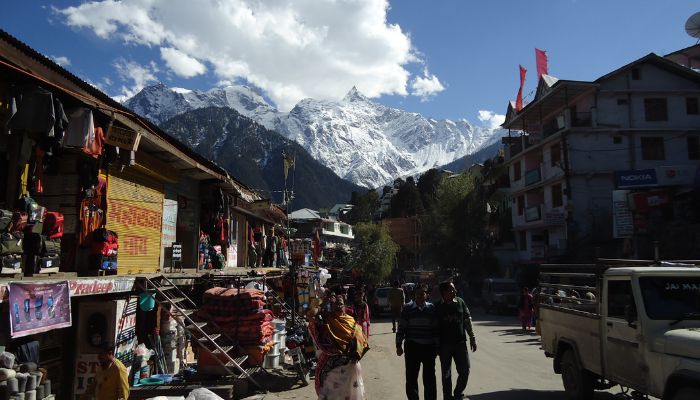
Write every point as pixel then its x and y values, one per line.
pixel 290 48
pixel 426 86
pixel 491 119
pixel 139 76
pixel 61 60
pixel 181 63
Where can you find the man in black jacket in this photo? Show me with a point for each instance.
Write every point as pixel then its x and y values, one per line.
pixel 417 328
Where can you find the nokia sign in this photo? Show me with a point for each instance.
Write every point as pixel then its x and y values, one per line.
pixel 635 178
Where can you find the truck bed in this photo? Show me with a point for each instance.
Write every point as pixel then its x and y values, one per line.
pixel 577 324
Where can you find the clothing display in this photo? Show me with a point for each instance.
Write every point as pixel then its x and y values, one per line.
pixel 81 127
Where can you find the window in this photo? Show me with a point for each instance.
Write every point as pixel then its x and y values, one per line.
pixel 555 155
pixel 655 110
pixel 521 205
pixel 693 147
pixel 617 139
pixel 635 74
pixel 653 148
pixel 522 240
pixel 516 171
pixel 557 196
pixel 619 296
pixel 691 106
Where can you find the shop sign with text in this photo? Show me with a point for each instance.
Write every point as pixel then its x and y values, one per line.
pixel 635 178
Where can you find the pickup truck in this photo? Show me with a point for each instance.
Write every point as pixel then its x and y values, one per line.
pixel 621 322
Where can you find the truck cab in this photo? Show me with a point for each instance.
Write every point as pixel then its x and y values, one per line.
pixel 639 329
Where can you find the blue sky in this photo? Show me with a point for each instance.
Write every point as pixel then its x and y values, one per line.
pixel 441 58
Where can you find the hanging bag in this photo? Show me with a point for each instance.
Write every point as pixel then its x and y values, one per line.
pixel 53 225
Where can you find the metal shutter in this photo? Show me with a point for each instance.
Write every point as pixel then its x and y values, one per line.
pixel 135 213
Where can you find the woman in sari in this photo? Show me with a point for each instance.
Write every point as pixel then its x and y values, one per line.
pixel 361 311
pixel 525 309
pixel 338 371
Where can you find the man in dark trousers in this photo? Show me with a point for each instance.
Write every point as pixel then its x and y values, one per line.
pixel 418 329
pixel 396 302
pixel 454 325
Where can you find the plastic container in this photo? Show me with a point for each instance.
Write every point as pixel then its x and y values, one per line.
pixel 280 324
pixel 166 378
pixel 151 381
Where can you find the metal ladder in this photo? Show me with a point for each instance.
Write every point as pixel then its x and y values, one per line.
pixel 168 293
pixel 298 319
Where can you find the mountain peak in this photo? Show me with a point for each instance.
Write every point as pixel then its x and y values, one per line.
pixel 354 95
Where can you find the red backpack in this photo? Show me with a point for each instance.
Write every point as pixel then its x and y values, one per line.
pixel 53 225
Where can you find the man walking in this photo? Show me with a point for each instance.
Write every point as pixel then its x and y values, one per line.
pixel 418 329
pixel 111 382
pixel 454 324
pixel 396 301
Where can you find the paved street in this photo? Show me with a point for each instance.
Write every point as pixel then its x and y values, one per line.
pixel 508 365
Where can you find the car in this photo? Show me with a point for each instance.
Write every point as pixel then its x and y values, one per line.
pixel 380 301
pixel 500 295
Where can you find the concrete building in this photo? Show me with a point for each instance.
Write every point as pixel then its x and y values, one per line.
pixel 607 167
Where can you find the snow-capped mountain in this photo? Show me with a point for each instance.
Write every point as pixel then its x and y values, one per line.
pixel 360 140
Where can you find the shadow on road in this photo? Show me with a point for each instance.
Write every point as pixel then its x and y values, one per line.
pixel 281 380
pixel 526 394
pixel 533 341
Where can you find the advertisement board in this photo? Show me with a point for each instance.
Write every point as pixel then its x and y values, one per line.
pixel 38 307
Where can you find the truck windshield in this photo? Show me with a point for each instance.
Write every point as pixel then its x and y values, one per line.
pixel 505 287
pixel 670 297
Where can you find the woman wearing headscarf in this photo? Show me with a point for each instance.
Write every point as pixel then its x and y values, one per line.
pixel 341 343
pixel 526 309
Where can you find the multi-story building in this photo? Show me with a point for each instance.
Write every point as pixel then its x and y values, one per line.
pixel 608 167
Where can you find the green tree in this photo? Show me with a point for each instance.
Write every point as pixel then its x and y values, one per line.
pixel 365 206
pixel 373 252
pixel 407 201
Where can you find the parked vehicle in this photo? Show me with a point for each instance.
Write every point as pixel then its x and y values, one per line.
pixel 500 295
pixel 298 339
pixel 380 301
pixel 632 323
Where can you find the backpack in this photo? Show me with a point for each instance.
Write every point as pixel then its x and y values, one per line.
pixel 19 222
pixel 53 225
pixel 5 220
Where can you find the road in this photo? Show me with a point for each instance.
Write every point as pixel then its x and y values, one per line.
pixel 508 365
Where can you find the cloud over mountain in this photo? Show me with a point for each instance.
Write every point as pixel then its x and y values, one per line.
pixel 290 49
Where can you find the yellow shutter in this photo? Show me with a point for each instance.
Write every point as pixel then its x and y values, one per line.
pixel 135 213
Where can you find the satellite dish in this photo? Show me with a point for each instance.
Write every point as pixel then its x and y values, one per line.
pixel 692 25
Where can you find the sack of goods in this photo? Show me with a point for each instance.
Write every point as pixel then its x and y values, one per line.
pixel 105 246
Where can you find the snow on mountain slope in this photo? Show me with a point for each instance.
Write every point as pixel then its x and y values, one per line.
pixel 360 140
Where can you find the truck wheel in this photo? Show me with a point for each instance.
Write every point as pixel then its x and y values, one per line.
pixel 578 382
pixel 687 393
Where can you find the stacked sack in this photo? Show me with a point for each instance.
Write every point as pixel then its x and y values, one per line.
pixel 24 381
pixel 241 315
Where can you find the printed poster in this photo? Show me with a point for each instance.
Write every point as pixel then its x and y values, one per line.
pixel 38 307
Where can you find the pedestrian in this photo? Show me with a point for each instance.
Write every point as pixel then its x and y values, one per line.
pixel 396 301
pixel 112 380
pixel 454 325
pixel 361 310
pixel 338 372
pixel 417 335
pixel 525 309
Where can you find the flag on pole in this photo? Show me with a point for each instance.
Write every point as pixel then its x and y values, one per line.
pixel 541 59
pixel 519 99
pixel 316 246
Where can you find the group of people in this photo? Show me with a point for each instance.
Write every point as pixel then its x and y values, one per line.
pixel 427 330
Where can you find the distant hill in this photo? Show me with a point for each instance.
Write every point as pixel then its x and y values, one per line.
pixel 479 157
pixel 253 154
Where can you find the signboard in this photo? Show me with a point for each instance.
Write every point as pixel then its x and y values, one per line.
pixel 38 307
pixel 676 175
pixel 87 367
pixel 260 205
pixel 177 251
pixel 123 138
pixel 169 227
pixel 532 214
pixel 87 287
pixel 555 218
pixel 635 178
pixel 623 221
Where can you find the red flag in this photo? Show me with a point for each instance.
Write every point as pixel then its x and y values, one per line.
pixel 541 58
pixel 519 99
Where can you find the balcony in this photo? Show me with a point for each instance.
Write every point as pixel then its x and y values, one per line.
pixel 533 176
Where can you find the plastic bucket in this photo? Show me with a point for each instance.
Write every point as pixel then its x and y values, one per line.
pixel 147 301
